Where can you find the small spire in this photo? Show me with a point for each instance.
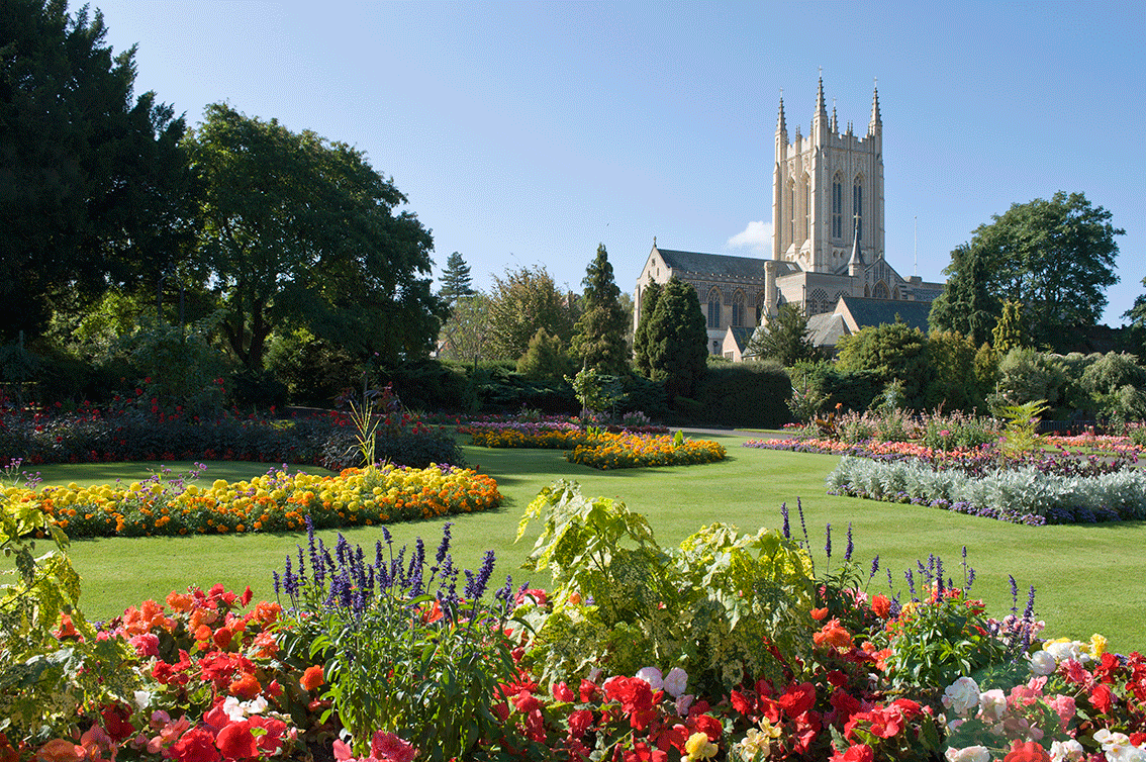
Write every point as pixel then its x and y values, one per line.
pixel 654 242
pixel 876 121
pixel 781 122
pixel 857 256
pixel 835 124
pixel 821 109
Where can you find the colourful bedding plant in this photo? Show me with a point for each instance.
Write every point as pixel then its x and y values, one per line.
pixel 276 502
pixel 851 676
pixel 602 449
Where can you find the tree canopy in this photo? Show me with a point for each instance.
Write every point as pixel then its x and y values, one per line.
pixel 302 232
pixel 520 303
pixel 599 336
pixel 896 351
pixel 95 189
pixel 1055 258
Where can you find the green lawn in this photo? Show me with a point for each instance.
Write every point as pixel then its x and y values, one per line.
pixel 1088 578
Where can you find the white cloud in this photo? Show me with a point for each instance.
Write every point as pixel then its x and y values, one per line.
pixel 756 237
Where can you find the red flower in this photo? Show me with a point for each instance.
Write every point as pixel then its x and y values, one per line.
pixel 197 745
pixel 819 614
pixel 857 753
pixel 707 724
pixel 580 722
pixel 562 692
pixel 1031 751
pixel 881 606
pixel 588 690
pixel 797 699
pixel 1101 698
pixel 236 741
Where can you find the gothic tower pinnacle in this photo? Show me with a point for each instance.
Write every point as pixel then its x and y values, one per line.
pixel 876 124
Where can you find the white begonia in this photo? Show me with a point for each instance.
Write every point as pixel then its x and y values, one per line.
pixel 652 676
pixel 1117 747
pixel 992 705
pixel 1071 649
pixel 142 700
pixel 1067 751
pixel 962 695
pixel 968 754
pixel 1042 663
pixel 676 682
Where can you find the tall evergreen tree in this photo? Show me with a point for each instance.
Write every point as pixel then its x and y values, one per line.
pixel 784 337
pixel 649 297
pixel 95 188
pixel 456 280
pixel 1009 332
pixel 599 336
pixel 678 340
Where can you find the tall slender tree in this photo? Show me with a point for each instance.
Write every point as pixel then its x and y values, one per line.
pixel 456 280
pixel 649 297
pixel 599 336
pixel 784 337
pixel 678 340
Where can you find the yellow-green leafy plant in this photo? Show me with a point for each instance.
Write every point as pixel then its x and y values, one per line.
pixel 619 600
pixel 1021 433
pixel 51 663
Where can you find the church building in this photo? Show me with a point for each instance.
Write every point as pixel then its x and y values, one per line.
pixel 827 243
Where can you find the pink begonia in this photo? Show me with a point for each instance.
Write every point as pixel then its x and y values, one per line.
pixel 384 747
pixel 992 705
pixel 146 644
pixel 1064 707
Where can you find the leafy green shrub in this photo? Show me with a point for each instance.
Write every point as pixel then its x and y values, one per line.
pixel 1116 385
pixel 342 449
pixel 893 351
pixel 51 663
pixel 957 431
pixel 432 385
pixel 1026 375
pixel 853 390
pixel 620 601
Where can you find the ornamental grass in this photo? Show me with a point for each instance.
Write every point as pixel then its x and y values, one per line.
pixel 276 502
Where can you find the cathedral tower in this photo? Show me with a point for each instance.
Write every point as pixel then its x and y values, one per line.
pixel 827 192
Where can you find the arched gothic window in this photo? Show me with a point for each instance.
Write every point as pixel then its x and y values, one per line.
pixel 714 308
pixel 857 206
pixel 837 207
pixel 792 211
pixel 738 309
pixel 880 291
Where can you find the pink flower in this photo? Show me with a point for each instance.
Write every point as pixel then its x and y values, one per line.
pixel 145 645
pixel 387 747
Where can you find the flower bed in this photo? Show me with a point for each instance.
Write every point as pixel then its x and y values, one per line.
pixel 411 660
pixel 276 502
pixel 602 449
pixel 1021 495
pixel 612 451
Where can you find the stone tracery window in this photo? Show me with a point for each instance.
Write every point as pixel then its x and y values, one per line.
pixel 857 206
pixel 738 309
pixel 714 308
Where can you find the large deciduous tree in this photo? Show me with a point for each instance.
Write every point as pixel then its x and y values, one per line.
pixel 523 301
pixel 95 190
pixel 466 332
pixel 1054 257
pixel 599 336
pixel 302 232
pixel 678 339
pixel 784 337
pixel 896 351
pixel 1137 316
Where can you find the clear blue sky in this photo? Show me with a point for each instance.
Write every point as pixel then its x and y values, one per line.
pixel 527 133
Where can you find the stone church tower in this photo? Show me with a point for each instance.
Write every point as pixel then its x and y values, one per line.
pixel 827 192
pixel 827 245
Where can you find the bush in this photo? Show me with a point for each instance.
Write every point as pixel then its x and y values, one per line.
pixel 258 389
pixel 852 390
pixel 1026 375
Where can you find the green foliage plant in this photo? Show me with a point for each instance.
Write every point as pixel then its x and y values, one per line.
pixel 650 295
pixel 597 392
pixel 1021 431
pixel 893 351
pixel 51 663
pixel 410 646
pixel 621 601
pixel 1009 332
pixel 1026 375
pixel 1116 384
pixel 784 337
